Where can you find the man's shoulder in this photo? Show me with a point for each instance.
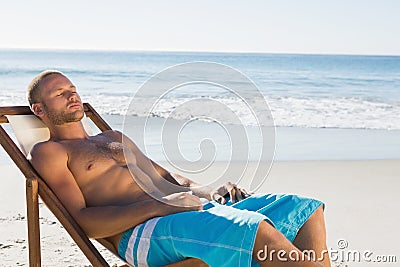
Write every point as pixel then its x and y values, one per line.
pixel 117 135
pixel 47 149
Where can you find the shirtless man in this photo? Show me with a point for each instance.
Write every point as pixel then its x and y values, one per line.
pixel 98 184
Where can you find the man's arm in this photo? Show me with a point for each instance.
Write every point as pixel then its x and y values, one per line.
pixel 220 193
pixel 50 160
pixel 153 169
pixel 156 171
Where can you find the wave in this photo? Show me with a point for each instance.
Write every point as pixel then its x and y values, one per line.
pixel 351 112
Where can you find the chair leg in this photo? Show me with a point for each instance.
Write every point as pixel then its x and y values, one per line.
pixel 33 222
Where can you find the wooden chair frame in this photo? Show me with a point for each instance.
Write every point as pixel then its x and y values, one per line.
pixel 36 186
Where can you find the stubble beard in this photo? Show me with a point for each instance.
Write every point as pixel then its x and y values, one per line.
pixel 62 117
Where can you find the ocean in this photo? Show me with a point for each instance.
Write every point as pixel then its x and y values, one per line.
pixel 326 107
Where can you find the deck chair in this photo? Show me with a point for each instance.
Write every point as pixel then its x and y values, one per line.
pixel 36 186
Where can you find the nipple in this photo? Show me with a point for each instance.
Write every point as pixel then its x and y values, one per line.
pixel 90 166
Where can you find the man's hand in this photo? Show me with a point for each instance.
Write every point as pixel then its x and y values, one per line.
pixel 228 190
pixel 182 201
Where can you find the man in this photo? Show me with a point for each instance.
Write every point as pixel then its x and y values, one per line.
pixel 106 185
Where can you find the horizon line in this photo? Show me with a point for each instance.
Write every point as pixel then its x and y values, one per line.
pixel 59 49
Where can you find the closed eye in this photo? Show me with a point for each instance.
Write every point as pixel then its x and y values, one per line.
pixel 62 91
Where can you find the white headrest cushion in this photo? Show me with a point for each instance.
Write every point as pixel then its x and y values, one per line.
pixel 29 130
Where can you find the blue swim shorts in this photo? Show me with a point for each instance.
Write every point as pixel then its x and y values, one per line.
pixel 220 235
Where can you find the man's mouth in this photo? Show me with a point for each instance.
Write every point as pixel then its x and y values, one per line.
pixel 75 105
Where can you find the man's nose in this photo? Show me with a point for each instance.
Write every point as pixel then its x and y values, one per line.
pixel 72 96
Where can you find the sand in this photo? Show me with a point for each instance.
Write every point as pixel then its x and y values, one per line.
pixel 361 198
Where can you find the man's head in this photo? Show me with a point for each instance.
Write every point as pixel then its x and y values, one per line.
pixel 54 99
pixel 33 91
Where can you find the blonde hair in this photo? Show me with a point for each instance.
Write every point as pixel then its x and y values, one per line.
pixel 33 92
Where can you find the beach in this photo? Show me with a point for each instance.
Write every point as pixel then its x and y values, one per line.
pixel 336 138
pixel 361 201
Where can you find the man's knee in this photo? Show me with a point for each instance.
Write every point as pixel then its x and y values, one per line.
pixel 318 214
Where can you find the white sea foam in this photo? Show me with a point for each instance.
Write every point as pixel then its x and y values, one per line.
pixel 342 112
pixel 286 111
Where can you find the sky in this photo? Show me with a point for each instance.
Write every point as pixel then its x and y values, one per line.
pixel 282 26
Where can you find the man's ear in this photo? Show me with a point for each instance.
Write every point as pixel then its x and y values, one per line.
pixel 37 109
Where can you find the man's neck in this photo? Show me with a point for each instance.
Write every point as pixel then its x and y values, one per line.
pixel 71 130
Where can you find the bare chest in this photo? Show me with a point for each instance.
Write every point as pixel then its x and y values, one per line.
pixel 96 156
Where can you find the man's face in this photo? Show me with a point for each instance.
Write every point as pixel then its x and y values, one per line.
pixel 60 101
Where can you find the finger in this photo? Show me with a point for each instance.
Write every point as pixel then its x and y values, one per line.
pixel 239 194
pixel 222 200
pixel 245 194
pixel 232 194
pixel 219 198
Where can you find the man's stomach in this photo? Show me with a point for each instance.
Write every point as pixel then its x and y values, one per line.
pixel 116 186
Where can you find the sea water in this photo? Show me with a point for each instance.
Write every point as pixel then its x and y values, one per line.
pixel 323 106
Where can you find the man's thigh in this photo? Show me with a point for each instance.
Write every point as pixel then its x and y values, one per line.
pixel 220 236
pixel 285 212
